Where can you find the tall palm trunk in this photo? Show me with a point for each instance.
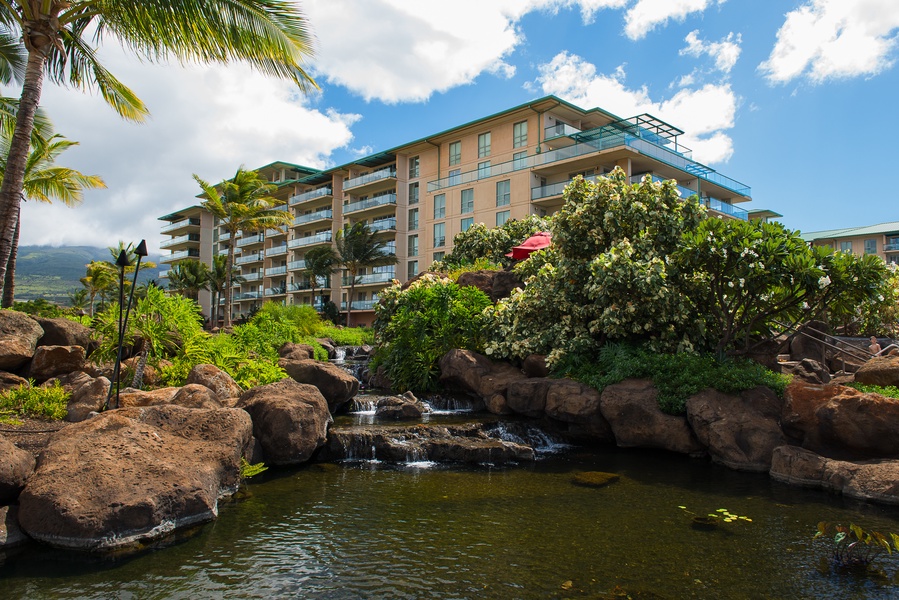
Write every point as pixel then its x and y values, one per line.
pixel 228 267
pixel 9 280
pixel 38 42
pixel 349 300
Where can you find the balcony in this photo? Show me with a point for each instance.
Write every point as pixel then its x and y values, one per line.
pixel 551 190
pixel 275 232
pixel 311 195
pixel 163 274
pixel 370 279
pixel 191 222
pixel 297 265
pixel 373 177
pixel 276 291
pixel 321 283
pixel 257 238
pixel 727 208
pixel 276 250
pixel 310 240
pixel 181 239
pixel 389 249
pixel 313 217
pixel 886 248
pixel 383 200
pixel 251 276
pixel 272 271
pixel 559 130
pixel 383 225
pixel 361 304
pixel 248 296
pixel 249 258
pixel 180 255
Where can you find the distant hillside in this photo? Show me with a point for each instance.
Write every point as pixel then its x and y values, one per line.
pixel 53 272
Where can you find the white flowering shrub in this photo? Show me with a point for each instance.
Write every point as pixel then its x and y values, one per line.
pixel 873 312
pixel 480 242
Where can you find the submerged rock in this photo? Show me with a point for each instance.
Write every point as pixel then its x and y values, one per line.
pixel 594 479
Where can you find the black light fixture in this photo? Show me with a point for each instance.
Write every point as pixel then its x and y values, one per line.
pixel 122 262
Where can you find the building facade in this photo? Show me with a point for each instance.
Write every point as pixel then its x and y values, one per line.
pixel 419 195
pixel 881 240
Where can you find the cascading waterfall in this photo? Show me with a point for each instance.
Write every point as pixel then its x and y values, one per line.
pixel 527 434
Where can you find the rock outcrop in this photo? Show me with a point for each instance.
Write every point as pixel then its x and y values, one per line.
pixel 16 466
pixel 53 361
pixel 65 332
pixel 406 406
pixel 89 397
pixel 474 373
pixel 880 370
pixel 132 475
pixel 290 420
pixel 335 384
pixel 11 534
pixel 223 385
pixel 293 351
pixel 496 284
pixel 19 334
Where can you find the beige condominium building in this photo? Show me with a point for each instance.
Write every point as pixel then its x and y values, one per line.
pixel 882 240
pixel 419 195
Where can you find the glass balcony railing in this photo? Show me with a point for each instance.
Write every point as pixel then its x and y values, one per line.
pixel 370 178
pixel 314 216
pixel 251 276
pixel 297 265
pixel 275 291
pixel 190 237
pixel 181 254
pixel 273 232
pixel 360 304
pixel 256 238
pixel 382 200
pixel 383 225
pixel 559 130
pixel 311 195
pixel 321 283
pixel 249 258
pixel 191 222
pixel 248 296
pixel 726 208
pixel 389 248
pixel 309 240
pixel 886 248
pixel 553 189
pixel 164 274
pixel 276 250
pixel 271 271
pixel 371 278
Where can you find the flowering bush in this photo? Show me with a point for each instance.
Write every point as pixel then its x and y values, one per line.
pixel 490 243
pixel 876 313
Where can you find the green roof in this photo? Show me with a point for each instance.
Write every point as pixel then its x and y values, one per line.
pixel 879 229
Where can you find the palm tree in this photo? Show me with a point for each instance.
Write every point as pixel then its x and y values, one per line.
pixel 358 248
pixel 99 280
pixel 188 277
pixel 78 299
pixel 44 181
pixel 320 262
pixel 243 203
pixel 269 35
pixel 218 277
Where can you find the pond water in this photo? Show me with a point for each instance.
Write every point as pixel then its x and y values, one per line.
pixel 366 529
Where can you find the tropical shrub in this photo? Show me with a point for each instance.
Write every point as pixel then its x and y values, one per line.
pixel 37 402
pixel 416 326
pixel 875 314
pixel 346 336
pixel 40 308
pixel 480 242
pixel 889 391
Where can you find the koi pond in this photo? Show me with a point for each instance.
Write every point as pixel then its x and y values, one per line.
pixel 366 529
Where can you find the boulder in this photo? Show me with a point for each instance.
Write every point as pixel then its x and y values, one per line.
pixel 9 381
pixel 632 410
pixel 406 406
pixel 535 366
pixel 134 397
pixel 740 432
pixel 858 425
pixel 329 346
pixel 496 284
pixel 811 371
pixel 880 370
pixel 16 466
pixel 194 395
pixel 88 398
pixel 528 396
pixel 133 474
pixel 808 343
pixel 335 384
pixel 874 480
pixel 293 351
pixel 476 374
pixel 52 361
pixel 70 381
pixel 65 332
pixel 801 401
pixel 577 406
pixel 19 334
pixel 496 404
pixel 11 534
pixel 290 420
pixel 222 384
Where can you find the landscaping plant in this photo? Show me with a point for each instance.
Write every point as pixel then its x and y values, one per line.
pixel 854 548
pixel 35 402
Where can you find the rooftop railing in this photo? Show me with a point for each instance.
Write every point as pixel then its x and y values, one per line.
pixel 370 178
pixel 382 200
pixel 310 195
pixel 192 221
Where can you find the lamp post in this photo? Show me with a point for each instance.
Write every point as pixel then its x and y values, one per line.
pixel 122 262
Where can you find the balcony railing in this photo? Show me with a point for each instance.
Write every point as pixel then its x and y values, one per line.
pixel 271 271
pixel 190 237
pixel 256 238
pixel 553 189
pixel 163 274
pixel 309 240
pixel 249 258
pixel 321 283
pixel 389 248
pixel 275 291
pixel 383 225
pixel 382 200
pixel 252 276
pixel 248 296
pixel 370 178
pixel 192 221
pixel 276 250
pixel 370 278
pixel 314 216
pixel 311 195
pixel 360 304
pixel 559 130
pixel 886 248
pixel 726 208
pixel 297 265
pixel 181 254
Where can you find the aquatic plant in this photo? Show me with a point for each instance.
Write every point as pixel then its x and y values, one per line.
pixel 247 470
pixel 855 549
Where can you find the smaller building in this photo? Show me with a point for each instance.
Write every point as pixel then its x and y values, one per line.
pixel 882 240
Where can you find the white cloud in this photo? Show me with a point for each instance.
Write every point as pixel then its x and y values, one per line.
pixel 646 15
pixel 205 120
pixel 834 39
pixel 704 113
pixel 725 53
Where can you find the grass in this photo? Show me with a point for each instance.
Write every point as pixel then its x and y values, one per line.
pixel 34 402
pixel 890 391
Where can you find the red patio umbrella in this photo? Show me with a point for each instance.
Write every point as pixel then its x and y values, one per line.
pixel 538 241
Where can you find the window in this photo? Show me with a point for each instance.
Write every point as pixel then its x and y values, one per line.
pixel 484 169
pixel 467 200
pixel 455 177
pixel 466 223
pixel 439 235
pixel 501 217
pixel 846 247
pixel 503 192
pixel 439 256
pixel 455 153
pixel 520 160
pixel 520 134
pixel 439 206
pixel 414 168
pixel 484 145
pixel 413 193
pixel 412 268
pixel 413 218
pixel 413 245
pixel 870 246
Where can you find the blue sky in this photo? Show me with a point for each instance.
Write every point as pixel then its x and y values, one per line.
pixel 795 98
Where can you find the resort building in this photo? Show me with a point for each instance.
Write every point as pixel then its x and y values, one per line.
pixel 882 240
pixel 419 195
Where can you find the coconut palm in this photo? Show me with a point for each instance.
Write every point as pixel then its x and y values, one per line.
pixel 321 263
pixel 188 277
pixel 44 181
pixel 218 278
pixel 78 300
pixel 243 203
pixel 269 35
pixel 99 279
pixel 358 248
